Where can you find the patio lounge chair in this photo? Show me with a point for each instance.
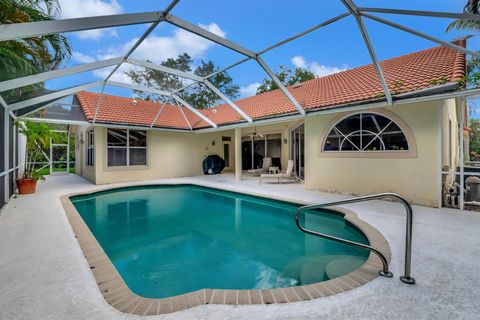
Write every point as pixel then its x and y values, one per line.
pixel 267 163
pixel 288 174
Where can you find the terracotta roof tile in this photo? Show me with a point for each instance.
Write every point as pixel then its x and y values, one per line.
pixel 411 72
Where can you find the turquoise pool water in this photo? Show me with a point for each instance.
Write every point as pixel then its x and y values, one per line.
pixel 169 240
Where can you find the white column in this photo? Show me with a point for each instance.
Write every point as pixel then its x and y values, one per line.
pixel 14 156
pixel 462 152
pixel 68 151
pixel 6 150
pixel 238 154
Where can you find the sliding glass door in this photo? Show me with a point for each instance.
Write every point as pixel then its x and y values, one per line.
pixel 254 149
pixel 297 150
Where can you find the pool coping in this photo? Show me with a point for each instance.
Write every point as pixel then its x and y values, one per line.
pixel 116 292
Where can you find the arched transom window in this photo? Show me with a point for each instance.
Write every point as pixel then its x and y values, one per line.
pixel 366 132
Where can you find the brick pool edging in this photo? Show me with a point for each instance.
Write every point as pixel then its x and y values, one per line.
pixel 118 295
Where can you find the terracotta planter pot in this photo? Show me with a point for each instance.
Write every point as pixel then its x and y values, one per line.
pixel 26 186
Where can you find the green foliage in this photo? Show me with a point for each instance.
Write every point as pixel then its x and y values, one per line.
pixel 473 63
pixel 286 77
pixel 46 171
pixel 198 96
pixel 473 72
pixel 160 80
pixel 472 7
pixel 474 125
pixel 38 137
pixel 31 55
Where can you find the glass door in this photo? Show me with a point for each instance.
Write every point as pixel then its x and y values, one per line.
pixel 60 152
pixel 254 149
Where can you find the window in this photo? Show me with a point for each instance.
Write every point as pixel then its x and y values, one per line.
pixel 90 148
pixel 226 154
pixel 366 132
pixel 126 147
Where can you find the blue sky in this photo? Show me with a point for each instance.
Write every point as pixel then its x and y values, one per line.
pixel 253 24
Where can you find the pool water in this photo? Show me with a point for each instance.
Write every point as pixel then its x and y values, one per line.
pixel 169 240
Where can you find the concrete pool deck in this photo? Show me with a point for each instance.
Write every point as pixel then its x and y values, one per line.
pixel 44 275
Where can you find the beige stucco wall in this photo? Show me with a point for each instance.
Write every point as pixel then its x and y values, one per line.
pixel 169 154
pixel 450 140
pixel 81 168
pixel 415 177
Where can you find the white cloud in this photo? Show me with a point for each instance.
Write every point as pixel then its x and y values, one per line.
pixel 85 8
pixel 83 58
pixel 157 49
pixel 299 62
pixel 316 67
pixel 249 90
pixel 119 75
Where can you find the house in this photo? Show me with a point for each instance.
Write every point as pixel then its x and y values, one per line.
pixel 350 140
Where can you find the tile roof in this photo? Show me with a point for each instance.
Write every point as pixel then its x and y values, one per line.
pixel 415 71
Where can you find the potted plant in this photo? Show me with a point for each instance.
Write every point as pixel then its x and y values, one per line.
pixel 38 137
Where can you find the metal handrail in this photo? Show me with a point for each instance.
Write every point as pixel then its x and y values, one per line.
pixel 406 278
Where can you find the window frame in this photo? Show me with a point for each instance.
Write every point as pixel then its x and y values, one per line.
pixel 90 146
pixel 127 148
pixel 405 129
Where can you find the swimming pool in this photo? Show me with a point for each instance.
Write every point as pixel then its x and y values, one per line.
pixel 170 240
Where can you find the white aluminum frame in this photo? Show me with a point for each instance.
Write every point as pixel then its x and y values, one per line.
pixel 184 116
pixel 198 113
pixel 34 29
pixel 53 96
pixel 52 145
pixel 195 78
pixel 368 43
pixel 44 76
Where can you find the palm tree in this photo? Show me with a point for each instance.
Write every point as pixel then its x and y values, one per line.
pixel 472 7
pixel 28 56
pixel 38 137
pixel 473 63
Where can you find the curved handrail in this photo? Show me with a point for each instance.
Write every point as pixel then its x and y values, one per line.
pixel 407 278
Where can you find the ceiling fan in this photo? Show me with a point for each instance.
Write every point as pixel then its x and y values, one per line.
pixel 254 134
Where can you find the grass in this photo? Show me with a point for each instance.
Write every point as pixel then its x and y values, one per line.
pixel 46 171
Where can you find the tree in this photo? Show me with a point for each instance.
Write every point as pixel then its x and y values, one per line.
pixel 286 78
pixel 161 80
pixel 472 7
pixel 472 78
pixel 38 137
pixel 202 97
pixel 31 55
pixel 197 95
pixel 38 54
pixel 473 63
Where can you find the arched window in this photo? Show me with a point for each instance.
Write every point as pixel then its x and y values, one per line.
pixel 363 132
